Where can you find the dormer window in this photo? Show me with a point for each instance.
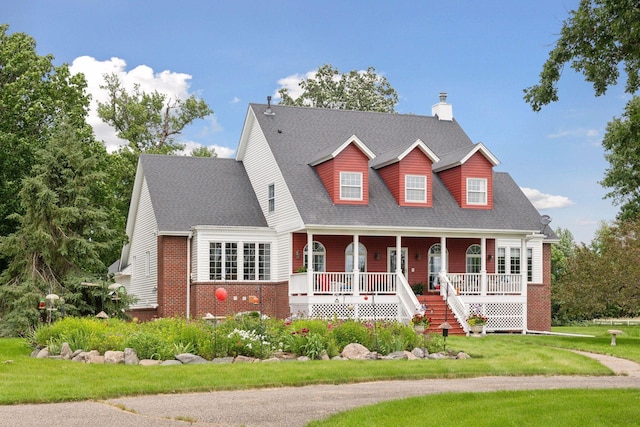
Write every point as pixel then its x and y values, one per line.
pixel 415 188
pixel 476 191
pixel 350 186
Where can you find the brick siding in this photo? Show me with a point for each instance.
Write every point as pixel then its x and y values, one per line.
pixel 539 296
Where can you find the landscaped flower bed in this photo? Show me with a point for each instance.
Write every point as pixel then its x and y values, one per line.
pixel 243 335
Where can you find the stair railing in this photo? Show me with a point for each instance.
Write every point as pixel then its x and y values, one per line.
pixel 458 309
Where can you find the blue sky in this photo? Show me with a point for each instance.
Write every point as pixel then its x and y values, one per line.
pixel 231 53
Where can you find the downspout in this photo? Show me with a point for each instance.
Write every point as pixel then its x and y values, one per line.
pixel 189 237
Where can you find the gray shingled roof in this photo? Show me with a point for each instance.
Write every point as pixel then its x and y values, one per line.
pixel 188 191
pixel 297 136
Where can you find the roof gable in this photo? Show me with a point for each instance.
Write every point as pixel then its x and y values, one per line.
pixel 399 153
pixel 331 153
pixel 460 157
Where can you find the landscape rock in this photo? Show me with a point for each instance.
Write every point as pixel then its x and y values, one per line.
pixel 463 355
pixel 244 359
pixel 355 351
pixel 114 357
pixel 170 363
pixel 271 359
pixel 35 352
pixel 419 353
pixel 324 355
pixel 65 351
pixel 303 359
pixel 436 356
pixel 131 357
pixel 43 353
pixel 94 357
pixel 222 360
pixel 190 359
pixel 77 352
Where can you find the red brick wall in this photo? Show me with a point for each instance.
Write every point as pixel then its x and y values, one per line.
pixel 274 303
pixel 539 296
pixel 172 276
pixel 143 314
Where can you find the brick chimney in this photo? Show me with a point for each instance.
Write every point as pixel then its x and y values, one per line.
pixel 443 110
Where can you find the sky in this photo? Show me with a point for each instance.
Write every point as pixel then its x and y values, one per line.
pixel 232 53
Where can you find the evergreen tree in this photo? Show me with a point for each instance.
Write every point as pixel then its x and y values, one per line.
pixel 63 230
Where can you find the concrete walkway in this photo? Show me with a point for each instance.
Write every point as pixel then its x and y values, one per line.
pixel 287 406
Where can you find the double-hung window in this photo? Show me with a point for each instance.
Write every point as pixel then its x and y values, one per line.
pixel 350 186
pixel 415 188
pixel 476 191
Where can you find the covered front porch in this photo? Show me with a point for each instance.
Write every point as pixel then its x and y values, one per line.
pixel 380 285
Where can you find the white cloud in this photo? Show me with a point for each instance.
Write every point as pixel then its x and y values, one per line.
pixel 546 201
pixel 588 133
pixel 235 100
pixel 174 85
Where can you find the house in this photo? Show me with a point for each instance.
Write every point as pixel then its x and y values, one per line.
pixel 336 213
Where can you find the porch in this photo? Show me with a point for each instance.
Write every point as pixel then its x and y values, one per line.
pixel 382 296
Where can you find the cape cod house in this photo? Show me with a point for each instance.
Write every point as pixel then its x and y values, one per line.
pixel 335 213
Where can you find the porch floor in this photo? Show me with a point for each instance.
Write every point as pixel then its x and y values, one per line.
pixel 437 310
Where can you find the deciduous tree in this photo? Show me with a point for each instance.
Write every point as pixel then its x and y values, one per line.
pixel 355 90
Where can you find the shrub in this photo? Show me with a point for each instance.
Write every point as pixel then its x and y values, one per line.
pixel 351 331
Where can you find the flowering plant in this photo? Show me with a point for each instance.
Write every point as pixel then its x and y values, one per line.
pixel 476 319
pixel 421 319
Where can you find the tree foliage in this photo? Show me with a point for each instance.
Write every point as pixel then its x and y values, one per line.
pixel 33 92
pixel 602 280
pixel 204 151
pixel 622 150
pixel 63 229
pixel 150 122
pixel 355 90
pixel 598 38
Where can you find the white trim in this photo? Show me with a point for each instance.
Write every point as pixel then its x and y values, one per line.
pixel 348 185
pixel 352 139
pixel 485 191
pixel 425 197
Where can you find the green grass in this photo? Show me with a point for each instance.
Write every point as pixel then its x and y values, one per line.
pixel 620 407
pixel 29 380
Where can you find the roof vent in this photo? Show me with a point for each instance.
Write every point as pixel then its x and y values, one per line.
pixel 443 110
pixel 268 111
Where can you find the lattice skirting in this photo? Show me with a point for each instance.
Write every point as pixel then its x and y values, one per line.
pixel 505 316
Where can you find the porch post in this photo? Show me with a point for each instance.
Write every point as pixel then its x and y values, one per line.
pixel 523 265
pixel 398 254
pixel 523 272
pixel 483 266
pixel 443 255
pixel 355 287
pixel 309 263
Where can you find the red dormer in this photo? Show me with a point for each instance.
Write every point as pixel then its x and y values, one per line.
pixel 344 171
pixel 408 174
pixel 468 174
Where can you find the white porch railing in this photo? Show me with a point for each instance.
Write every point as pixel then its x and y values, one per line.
pixel 448 292
pixel 496 284
pixel 333 292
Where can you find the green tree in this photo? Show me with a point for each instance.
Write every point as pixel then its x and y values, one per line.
pixel 32 94
pixel 598 39
pixel 603 279
pixel 150 122
pixel 203 151
pixel 355 90
pixel 622 150
pixel 63 230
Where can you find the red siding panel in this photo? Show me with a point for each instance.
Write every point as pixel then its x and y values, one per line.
pixel 415 163
pixel 351 159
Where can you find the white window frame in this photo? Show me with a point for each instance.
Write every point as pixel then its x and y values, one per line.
pixel 477 187
pixel 271 197
pixel 346 183
pixel 410 186
pixel 233 259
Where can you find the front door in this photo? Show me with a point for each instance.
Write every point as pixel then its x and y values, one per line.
pixel 391 260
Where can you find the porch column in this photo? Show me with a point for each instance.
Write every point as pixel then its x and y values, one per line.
pixel 356 266
pixel 483 266
pixel 398 254
pixel 443 255
pixel 523 267
pixel 309 263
